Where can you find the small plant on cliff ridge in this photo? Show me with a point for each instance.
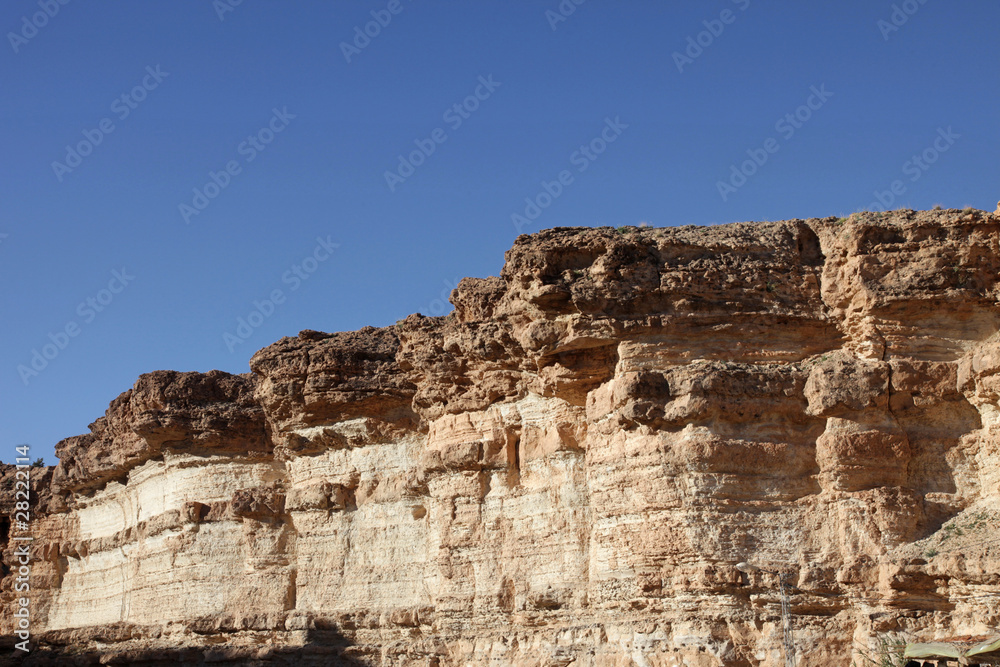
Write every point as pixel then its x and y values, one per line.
pixel 623 230
pixel 39 462
pixel 978 521
pixel 952 529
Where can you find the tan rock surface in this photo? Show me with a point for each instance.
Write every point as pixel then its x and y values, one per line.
pixel 566 470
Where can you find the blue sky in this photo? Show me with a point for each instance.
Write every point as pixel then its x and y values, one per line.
pixel 278 138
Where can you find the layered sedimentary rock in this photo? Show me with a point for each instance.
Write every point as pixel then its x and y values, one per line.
pixel 608 455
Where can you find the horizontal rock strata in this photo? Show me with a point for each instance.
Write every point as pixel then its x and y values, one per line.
pixel 566 470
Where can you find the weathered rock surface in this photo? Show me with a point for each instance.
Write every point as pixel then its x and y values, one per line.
pixel 566 470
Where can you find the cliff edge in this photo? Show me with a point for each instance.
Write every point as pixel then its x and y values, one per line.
pixel 566 470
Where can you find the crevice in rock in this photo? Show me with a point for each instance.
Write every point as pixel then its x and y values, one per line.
pixel 291 592
pixel 810 250
pixel 514 456
pixel 888 396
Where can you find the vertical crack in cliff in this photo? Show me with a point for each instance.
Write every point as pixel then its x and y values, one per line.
pixel 123 609
pixel 291 592
pixel 818 266
pixel 888 401
pixel 514 457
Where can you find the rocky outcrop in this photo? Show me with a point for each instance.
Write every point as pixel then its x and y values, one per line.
pixel 568 469
pixel 198 412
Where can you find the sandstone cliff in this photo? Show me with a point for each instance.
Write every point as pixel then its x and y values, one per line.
pixel 567 469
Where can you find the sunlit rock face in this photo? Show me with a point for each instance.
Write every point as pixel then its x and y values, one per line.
pixel 564 471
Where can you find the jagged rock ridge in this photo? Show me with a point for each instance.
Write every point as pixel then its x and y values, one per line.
pixel 567 469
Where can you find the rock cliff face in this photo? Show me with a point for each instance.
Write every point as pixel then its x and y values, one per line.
pixel 566 470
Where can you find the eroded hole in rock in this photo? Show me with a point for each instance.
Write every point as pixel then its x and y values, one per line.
pixel 809 248
pixel 514 456
pixel 873 237
pixel 506 597
pixel 290 591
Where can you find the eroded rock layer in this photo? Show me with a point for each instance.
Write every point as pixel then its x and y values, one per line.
pixel 608 455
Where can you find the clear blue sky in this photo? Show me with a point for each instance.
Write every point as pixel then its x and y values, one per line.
pixel 212 83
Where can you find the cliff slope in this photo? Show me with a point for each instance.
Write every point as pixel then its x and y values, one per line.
pixel 566 470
